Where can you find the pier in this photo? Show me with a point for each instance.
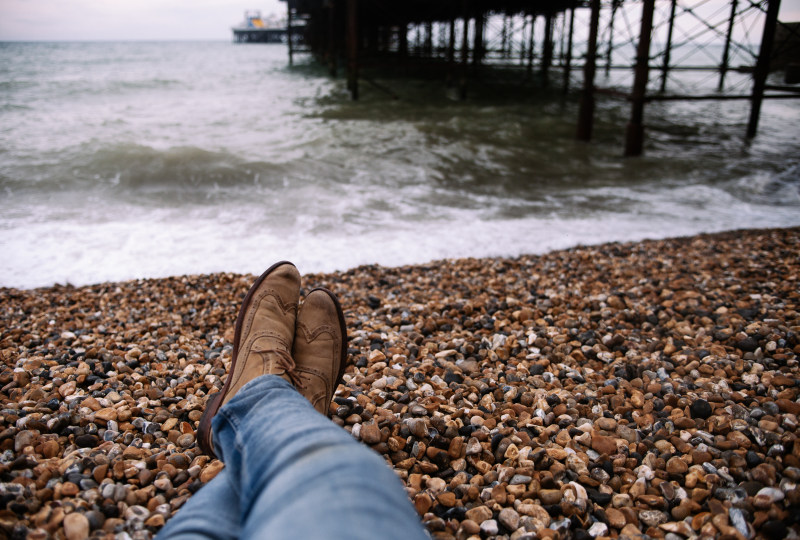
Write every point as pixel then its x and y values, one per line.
pixel 256 29
pixel 642 47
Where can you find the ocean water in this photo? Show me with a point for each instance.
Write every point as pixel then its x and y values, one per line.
pixel 128 160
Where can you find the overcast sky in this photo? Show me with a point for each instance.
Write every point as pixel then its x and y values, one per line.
pixel 69 20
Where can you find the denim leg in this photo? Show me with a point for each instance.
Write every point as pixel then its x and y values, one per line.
pixel 212 512
pixel 302 476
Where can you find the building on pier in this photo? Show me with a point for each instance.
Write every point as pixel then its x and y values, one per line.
pixel 257 29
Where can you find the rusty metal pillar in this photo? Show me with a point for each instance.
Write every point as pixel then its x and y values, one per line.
pixel 634 136
pixel 568 59
pixel 451 52
pixel 402 39
pixel 723 68
pixel 332 53
pixel 504 35
pixel 289 6
pixel 762 65
pixel 668 49
pixel 477 46
pixel 614 6
pixel 586 113
pixel 510 50
pixel 352 48
pixel 427 47
pixel 531 43
pixel 462 83
pixel 451 43
pixel 547 52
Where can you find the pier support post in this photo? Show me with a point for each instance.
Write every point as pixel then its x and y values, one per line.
pixel 462 83
pixel 723 68
pixel 668 49
pixel 332 52
pixel 289 7
pixel 477 46
pixel 352 48
pixel 451 51
pixel 547 51
pixel 522 50
pixel 568 59
pixel 427 47
pixel 586 114
pixel 762 65
pixel 531 44
pixel 402 39
pixel 614 6
pixel 634 136
pixel 504 35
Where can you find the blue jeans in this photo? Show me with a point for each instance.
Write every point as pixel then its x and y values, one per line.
pixel 292 473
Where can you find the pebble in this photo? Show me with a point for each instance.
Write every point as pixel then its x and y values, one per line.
pixel 489 528
pixel 601 391
pixel 509 518
pixel 76 526
pixel 598 529
pixel 370 433
pixel 700 408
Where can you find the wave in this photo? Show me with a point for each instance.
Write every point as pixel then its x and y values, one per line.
pixel 131 169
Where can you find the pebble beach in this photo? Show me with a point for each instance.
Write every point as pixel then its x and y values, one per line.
pixel 626 390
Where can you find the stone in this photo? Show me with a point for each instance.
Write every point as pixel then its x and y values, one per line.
pixel 598 529
pixel 700 408
pixel 509 518
pixel 676 465
pixel 106 414
pixel 606 424
pixel 767 496
pixel 615 518
pixel 489 528
pixel 479 514
pixel 370 433
pixel 604 445
pixel 76 526
pixel 550 496
pixel 211 470
pixel 653 518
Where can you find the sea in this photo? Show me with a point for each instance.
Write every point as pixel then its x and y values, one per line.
pixel 135 160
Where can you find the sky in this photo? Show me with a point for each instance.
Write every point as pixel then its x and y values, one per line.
pixel 90 20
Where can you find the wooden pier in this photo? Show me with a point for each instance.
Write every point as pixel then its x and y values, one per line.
pixel 550 42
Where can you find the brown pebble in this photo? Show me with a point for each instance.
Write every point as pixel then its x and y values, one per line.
pixel 370 433
pixel 76 526
pixel 68 489
pixel 479 514
pixel 604 445
pixel 211 470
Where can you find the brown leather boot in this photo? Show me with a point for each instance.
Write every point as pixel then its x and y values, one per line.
pixel 320 347
pixel 262 342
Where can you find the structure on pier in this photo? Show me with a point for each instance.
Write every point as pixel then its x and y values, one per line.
pixel 257 29
pixel 558 43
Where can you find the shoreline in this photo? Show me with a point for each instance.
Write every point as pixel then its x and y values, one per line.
pixel 389 267
pixel 614 389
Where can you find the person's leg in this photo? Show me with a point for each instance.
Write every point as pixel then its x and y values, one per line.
pixel 212 512
pixel 301 476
